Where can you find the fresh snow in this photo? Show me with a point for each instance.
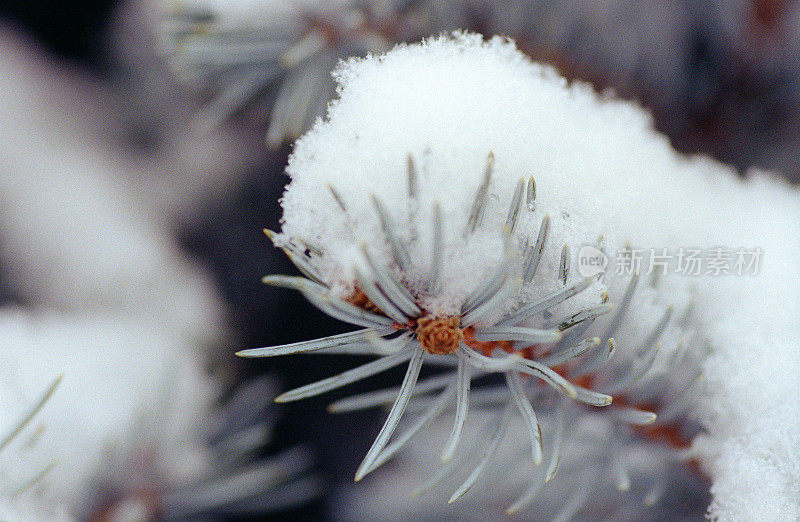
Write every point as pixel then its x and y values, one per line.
pixel 600 170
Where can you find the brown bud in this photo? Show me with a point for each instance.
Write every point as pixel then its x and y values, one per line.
pixel 439 335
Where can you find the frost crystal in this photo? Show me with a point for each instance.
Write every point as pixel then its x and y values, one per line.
pixel 442 205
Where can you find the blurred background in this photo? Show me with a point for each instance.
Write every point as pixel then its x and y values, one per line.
pixel 142 148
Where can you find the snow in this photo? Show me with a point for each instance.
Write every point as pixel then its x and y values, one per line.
pixel 110 304
pixel 752 407
pixel 564 146
pixel 600 169
pixel 126 390
pixel 75 236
